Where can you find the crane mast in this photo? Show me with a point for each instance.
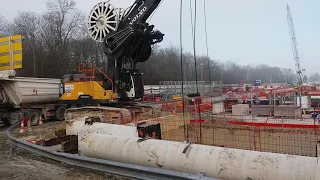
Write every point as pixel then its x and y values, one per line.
pixel 301 78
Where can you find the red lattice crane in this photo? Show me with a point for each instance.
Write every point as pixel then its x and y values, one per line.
pixel 301 78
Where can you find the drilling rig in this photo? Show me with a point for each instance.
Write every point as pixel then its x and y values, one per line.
pixel 127 40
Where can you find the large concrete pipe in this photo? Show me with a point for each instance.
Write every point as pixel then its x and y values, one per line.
pixel 217 162
pixel 75 127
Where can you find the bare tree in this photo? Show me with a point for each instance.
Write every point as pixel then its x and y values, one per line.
pixel 60 23
pixel 3 26
pixel 27 24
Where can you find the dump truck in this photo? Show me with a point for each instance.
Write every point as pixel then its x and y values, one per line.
pixel 30 97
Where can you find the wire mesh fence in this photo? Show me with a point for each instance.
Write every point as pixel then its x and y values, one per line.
pixel 287 135
pixel 276 124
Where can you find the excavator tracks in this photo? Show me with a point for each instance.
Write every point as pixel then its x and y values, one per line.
pixel 114 115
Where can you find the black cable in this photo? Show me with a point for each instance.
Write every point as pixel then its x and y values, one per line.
pixel 191 16
pixel 205 29
pixel 195 56
pixel 186 134
pixel 207 48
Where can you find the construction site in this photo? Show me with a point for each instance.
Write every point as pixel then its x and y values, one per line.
pixel 110 122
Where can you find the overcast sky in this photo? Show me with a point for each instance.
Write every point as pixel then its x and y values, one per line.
pixel 242 31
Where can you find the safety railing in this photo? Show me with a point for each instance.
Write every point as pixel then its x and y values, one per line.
pixel 90 68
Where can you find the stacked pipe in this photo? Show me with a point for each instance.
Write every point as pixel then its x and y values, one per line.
pixel 75 127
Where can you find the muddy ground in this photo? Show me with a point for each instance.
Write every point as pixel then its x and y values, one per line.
pixel 17 164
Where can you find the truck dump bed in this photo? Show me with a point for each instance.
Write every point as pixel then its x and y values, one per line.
pixel 28 90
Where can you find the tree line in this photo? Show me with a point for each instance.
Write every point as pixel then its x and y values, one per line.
pixel 56 41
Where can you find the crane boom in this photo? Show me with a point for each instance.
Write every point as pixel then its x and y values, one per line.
pixel 296 57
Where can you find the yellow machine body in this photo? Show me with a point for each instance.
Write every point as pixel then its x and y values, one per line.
pixel 86 91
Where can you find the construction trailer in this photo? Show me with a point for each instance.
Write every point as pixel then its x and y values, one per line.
pixel 30 97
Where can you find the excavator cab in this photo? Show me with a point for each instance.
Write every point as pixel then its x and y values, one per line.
pixel 86 87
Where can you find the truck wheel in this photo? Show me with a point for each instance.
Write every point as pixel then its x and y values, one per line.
pixel 60 113
pixel 6 122
pixel 34 117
